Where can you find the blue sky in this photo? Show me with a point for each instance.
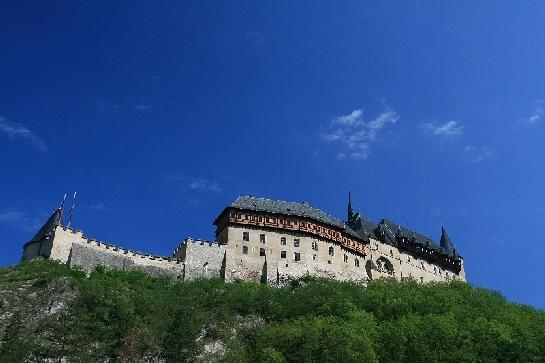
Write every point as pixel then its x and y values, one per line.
pixel 160 113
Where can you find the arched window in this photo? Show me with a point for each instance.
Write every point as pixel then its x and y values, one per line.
pixel 331 251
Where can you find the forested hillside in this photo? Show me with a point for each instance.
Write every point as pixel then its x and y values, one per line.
pixel 50 311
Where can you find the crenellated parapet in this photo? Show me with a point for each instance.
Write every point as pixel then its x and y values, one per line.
pixel 268 240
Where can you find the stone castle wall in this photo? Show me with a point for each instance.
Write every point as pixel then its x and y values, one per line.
pixel 273 268
pixel 266 260
pixel 201 258
pixel 71 247
pixel 406 265
pixel 273 261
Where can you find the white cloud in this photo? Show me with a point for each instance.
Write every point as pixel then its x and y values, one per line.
pixel 204 185
pixel 536 114
pixel 256 37
pixel 193 183
pixel 353 119
pixel 19 131
pixel 435 212
pixel 99 207
pixel 20 220
pixel 355 134
pixel 478 154
pixel 448 129
pixel 142 107
pixel 11 216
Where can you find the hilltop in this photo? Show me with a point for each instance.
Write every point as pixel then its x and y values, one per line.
pixel 49 311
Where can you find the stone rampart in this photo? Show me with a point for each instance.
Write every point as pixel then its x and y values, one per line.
pixel 201 258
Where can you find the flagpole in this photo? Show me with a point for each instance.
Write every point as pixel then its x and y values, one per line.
pixel 72 209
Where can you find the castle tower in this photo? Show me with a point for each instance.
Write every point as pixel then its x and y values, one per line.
pixel 447 247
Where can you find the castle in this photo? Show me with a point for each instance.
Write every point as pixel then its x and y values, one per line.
pixel 272 242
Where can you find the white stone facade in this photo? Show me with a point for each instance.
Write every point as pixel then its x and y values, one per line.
pixel 256 246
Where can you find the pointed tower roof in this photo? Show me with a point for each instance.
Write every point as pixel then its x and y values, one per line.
pixel 350 210
pixel 447 247
pixel 47 229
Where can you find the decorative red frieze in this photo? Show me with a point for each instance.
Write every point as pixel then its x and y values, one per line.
pixel 293 224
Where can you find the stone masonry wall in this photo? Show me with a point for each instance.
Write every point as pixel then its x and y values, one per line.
pixel 267 261
pixel 201 258
pixel 71 247
pixel 279 262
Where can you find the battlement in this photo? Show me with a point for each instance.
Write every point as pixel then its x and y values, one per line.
pixel 266 240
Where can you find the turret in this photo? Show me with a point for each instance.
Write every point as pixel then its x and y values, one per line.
pixel 447 247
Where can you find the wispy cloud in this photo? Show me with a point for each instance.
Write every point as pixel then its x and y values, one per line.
pixel 478 154
pixel 204 185
pixel 357 135
pixel 256 37
pixel 20 220
pixel 446 130
pixel 11 216
pixel 142 107
pixel 18 131
pixel 99 207
pixel 435 212
pixel 536 114
pixel 193 183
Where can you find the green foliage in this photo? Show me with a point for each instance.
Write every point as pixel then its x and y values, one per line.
pixel 129 316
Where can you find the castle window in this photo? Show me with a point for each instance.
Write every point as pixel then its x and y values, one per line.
pixel 282 254
pixel 391 253
pixel 331 251
pixel 329 262
pixel 245 236
pixel 262 238
pixel 345 258
pixel 283 241
pixel 409 259
pixel 422 264
pixel 244 250
pixel 314 257
pixel 356 262
pixel 296 242
pixel 435 269
pixel 315 245
pixel 421 279
pixel 297 256
pixel 262 252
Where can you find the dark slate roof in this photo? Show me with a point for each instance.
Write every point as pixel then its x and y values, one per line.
pixel 392 230
pixel 447 247
pixel 290 208
pixel 46 230
pixel 362 226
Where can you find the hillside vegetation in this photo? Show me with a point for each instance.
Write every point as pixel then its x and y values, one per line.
pixel 50 311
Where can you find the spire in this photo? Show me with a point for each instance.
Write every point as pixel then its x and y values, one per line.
pixel 350 210
pixel 447 247
pixel 49 227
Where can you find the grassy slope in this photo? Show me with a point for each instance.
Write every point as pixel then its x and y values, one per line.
pixel 48 310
